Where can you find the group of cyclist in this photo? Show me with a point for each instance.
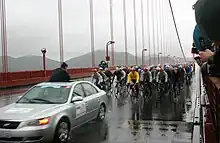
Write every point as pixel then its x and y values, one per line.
pixel 163 78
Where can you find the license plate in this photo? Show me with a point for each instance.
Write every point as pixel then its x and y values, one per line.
pixel 5 134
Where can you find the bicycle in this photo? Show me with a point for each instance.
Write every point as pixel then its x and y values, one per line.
pixel 188 79
pixel 145 90
pixel 106 86
pixel 120 89
pixel 134 94
pixel 161 87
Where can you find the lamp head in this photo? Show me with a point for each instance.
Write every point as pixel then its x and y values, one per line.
pixel 43 51
pixel 112 42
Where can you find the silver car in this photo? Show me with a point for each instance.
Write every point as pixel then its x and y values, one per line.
pixel 49 111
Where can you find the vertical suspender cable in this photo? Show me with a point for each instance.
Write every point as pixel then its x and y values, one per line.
pixel 170 36
pixel 159 32
pixel 125 32
pixel 177 33
pixel 157 27
pixel 163 50
pixel 92 33
pixel 142 24
pixel 153 22
pixel 112 32
pixel 4 37
pixel 135 32
pixel 162 30
pixel 60 18
pixel 165 29
pixel 148 28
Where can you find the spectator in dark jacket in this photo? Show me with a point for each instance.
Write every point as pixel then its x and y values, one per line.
pixel 60 74
pixel 206 12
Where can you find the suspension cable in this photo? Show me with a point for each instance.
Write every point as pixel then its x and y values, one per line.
pixel 148 33
pixel 158 28
pixel 153 45
pixel 177 33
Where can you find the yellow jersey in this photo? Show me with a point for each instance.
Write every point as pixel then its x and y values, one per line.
pixel 133 76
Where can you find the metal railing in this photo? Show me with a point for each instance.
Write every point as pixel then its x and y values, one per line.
pixel 16 79
pixel 196 138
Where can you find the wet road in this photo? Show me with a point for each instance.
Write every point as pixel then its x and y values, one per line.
pixel 155 121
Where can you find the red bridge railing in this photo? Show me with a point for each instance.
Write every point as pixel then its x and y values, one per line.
pixel 15 79
pixel 212 115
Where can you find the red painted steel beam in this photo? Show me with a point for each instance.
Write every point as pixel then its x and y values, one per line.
pixel 125 32
pixel 60 18
pixel 112 32
pixel 135 31
pixel 4 39
pixel 92 33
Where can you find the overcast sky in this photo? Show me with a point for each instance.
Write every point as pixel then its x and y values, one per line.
pixel 33 24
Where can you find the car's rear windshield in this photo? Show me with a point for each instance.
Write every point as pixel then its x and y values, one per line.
pixel 50 94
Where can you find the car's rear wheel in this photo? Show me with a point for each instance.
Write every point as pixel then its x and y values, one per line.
pixel 101 114
pixel 62 131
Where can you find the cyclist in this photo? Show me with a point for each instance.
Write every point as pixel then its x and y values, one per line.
pixel 146 78
pixel 133 77
pixel 109 74
pixel 182 75
pixel 60 74
pixel 96 78
pixel 168 70
pixel 103 64
pixel 176 78
pixel 162 77
pixel 154 74
pixel 120 75
pixel 104 78
pixel 188 69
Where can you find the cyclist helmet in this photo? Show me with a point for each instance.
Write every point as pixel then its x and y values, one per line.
pixel 175 69
pixel 133 69
pixel 117 68
pixel 146 69
pixel 122 68
pixel 94 70
pixel 139 70
pixel 158 68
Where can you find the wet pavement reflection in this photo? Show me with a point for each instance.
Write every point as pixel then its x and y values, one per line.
pixel 152 121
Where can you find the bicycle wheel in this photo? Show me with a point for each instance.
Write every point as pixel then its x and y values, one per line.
pixel 146 92
pixel 117 92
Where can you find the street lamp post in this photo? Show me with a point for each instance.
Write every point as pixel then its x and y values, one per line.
pixel 143 50
pixel 44 51
pixel 107 54
pixel 174 59
pixel 159 57
pixel 168 58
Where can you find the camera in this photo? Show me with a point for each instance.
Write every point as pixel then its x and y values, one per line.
pixel 194 51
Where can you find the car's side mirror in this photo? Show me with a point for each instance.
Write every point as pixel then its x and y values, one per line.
pixel 76 99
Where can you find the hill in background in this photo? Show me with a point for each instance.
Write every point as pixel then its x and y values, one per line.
pixel 26 63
